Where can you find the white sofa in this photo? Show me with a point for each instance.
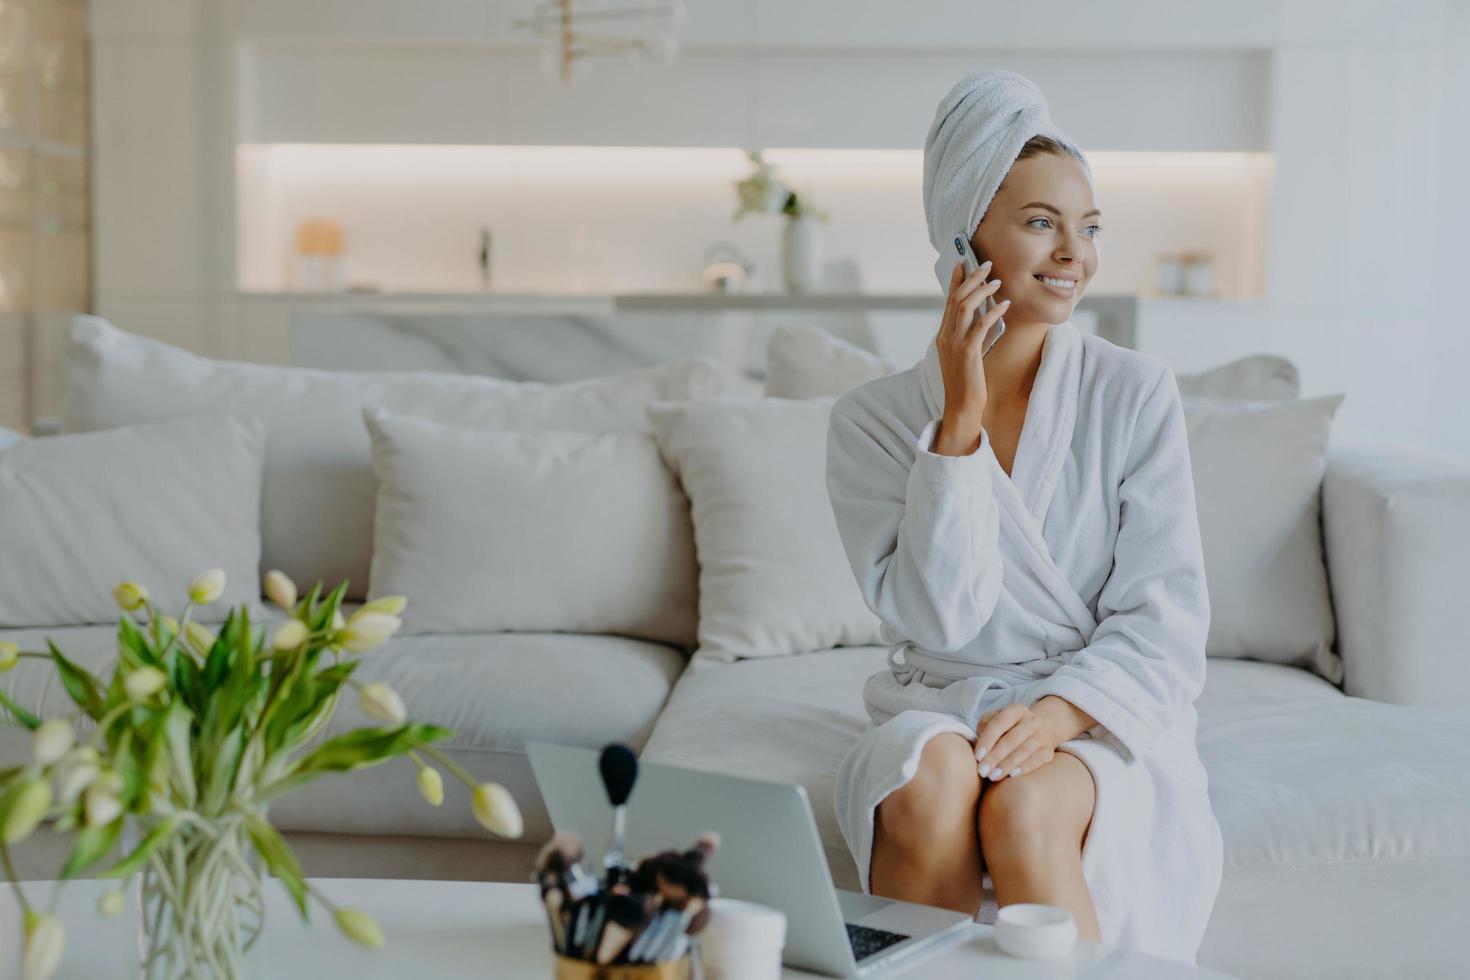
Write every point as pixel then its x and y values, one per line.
pixel 1345 812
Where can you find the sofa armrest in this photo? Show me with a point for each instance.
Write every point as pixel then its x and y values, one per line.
pixel 1396 531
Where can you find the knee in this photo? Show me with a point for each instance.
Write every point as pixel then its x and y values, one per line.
pixel 1015 818
pixel 940 800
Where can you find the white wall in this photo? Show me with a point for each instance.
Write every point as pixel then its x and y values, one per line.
pixel 1364 110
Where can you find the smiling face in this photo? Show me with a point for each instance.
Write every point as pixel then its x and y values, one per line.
pixel 1042 221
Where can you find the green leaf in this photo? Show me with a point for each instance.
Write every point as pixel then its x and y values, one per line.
pixel 321 617
pixel 364 747
pixel 177 725
pixel 133 645
pixel 84 689
pixel 222 766
pixel 318 701
pixel 21 715
pixel 145 848
pixel 219 654
pixel 92 843
pixel 278 857
pixel 356 749
pixel 189 681
pixel 128 764
pixel 312 599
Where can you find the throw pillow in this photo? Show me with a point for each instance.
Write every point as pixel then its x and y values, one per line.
pixel 807 362
pixel 319 490
pixel 157 504
pixel 490 531
pixel 1255 377
pixel 1258 470
pixel 773 578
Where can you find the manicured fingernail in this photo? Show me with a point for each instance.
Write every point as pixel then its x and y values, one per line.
pixel 985 264
pixel 1015 772
pixel 984 770
pixel 997 776
pixel 981 753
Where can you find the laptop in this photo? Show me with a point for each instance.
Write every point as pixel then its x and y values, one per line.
pixel 769 853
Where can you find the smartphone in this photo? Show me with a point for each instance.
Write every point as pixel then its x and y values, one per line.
pixel 966 256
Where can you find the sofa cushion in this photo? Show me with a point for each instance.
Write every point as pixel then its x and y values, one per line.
pixel 773 578
pixel 809 362
pixel 319 490
pixel 1255 377
pixel 1257 470
pixel 1346 825
pixel 495 690
pixel 785 719
pixel 494 530
pixel 1318 795
pixel 157 503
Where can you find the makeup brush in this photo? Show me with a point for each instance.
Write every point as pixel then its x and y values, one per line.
pixel 619 767
pixel 697 907
pixel 626 915
pixel 562 857
pixel 651 938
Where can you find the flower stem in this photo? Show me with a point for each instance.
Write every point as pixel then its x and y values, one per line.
pixel 20 896
pixel 458 771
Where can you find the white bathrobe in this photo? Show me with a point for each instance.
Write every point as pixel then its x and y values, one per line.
pixel 1079 575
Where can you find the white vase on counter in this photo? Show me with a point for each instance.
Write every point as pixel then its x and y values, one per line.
pixel 802 258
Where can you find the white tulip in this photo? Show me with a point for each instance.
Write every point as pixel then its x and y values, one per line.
pixel 366 630
pixel 207 587
pixel 337 620
pixel 130 596
pixel 431 785
pixel 101 803
pixel 74 776
pixel 170 623
pixel 390 604
pixel 111 903
pixel 9 655
pixel 381 703
pixel 52 740
pixel 44 943
pixel 31 802
pixel 290 635
pixel 359 927
pixel 143 683
pixel 496 810
pixel 280 589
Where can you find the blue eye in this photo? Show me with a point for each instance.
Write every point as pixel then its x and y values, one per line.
pixel 1097 228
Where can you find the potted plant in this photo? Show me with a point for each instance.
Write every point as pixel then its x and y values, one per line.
pixel 802 259
pixel 191 737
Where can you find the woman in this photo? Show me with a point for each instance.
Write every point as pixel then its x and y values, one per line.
pixel 1019 512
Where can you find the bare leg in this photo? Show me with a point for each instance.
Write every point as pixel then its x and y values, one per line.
pixel 1033 828
pixel 926 845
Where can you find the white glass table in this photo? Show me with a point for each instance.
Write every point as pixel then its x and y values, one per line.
pixel 452 929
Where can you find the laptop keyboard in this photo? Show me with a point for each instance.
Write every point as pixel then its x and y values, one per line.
pixel 865 941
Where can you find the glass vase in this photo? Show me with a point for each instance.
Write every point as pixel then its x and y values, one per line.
pixel 200 903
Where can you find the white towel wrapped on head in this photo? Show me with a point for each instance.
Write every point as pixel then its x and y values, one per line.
pixel 977 133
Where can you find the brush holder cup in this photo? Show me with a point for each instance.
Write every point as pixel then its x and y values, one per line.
pixel 570 969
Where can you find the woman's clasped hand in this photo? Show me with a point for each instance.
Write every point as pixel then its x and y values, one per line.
pixel 1015 740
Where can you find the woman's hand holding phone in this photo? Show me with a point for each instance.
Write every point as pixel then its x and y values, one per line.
pixel 961 359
